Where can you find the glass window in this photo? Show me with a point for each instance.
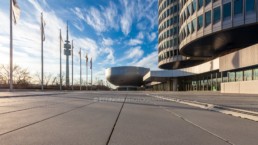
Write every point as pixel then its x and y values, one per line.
pixel 216 15
pixel 200 4
pixel 238 7
pixel 239 76
pixel 231 76
pixel 200 22
pixel 194 6
pixel 189 10
pixel 207 18
pixel 194 25
pixel 227 10
pixel 207 2
pixel 255 74
pixel 189 28
pixel 247 75
pixel 249 5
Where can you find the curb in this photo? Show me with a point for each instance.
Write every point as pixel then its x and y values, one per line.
pixel 250 115
pixel 30 95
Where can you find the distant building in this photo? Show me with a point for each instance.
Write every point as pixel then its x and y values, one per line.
pixel 207 45
pixel 126 77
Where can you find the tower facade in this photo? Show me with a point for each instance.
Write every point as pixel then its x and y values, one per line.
pixel 207 45
pixel 67 53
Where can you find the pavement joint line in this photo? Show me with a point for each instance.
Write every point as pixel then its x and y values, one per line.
pixel 113 128
pixel 59 114
pixel 250 115
pixel 196 125
pixel 35 107
pixel 30 95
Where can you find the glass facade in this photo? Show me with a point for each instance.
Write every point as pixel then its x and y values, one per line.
pixel 200 4
pixel 256 74
pixel 194 5
pixel 239 76
pixel 216 15
pixel 207 18
pixel 238 7
pixel 250 5
pixel 207 2
pixel 200 22
pixel 227 10
pixel 247 75
pixel 194 25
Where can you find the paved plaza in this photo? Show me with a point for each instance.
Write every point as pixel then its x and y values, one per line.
pixel 123 118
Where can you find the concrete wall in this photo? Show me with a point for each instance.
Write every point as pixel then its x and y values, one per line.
pixel 239 59
pixel 245 87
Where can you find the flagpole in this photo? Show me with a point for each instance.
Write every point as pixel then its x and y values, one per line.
pixel 80 71
pixel 42 63
pixel 60 60
pixel 72 64
pixel 91 74
pixel 11 45
pixel 86 71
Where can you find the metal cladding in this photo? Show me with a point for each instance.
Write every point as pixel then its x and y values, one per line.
pixel 126 75
pixel 169 55
pixel 214 28
pixel 194 31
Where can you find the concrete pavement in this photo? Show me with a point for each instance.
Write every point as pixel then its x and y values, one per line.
pixel 101 118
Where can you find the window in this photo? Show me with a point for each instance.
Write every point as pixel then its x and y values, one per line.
pixel 189 10
pixel 194 6
pixel 207 18
pixel 189 28
pixel 207 2
pixel 247 75
pixel 227 10
pixel 231 76
pixel 255 74
pixel 200 22
pixel 194 25
pixel 216 15
pixel 239 76
pixel 249 5
pixel 200 4
pixel 238 7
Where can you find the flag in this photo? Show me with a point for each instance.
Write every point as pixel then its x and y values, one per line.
pixel 61 38
pixel 16 11
pixel 91 63
pixel 43 24
pixel 87 59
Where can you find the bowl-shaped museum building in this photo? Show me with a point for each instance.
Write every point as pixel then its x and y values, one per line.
pixel 126 77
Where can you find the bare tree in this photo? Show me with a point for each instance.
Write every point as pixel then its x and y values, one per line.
pixel 47 78
pixel 21 76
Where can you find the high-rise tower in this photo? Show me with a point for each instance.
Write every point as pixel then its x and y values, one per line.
pixel 67 52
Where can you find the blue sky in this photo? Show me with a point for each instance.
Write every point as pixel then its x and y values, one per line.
pixel 112 32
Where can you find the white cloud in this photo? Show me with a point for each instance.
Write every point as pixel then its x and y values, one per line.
pixel 127 16
pixel 152 36
pixel 150 61
pixel 134 53
pixel 110 59
pixel 107 42
pixel 134 42
pixel 99 19
pixel 94 19
pixel 27 45
pixel 140 35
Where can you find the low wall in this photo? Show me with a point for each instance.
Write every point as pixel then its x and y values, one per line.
pixel 244 87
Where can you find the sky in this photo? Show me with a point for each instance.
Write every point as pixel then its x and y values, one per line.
pixel 112 33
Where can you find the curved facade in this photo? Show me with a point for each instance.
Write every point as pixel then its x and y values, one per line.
pixel 128 76
pixel 168 47
pixel 210 28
